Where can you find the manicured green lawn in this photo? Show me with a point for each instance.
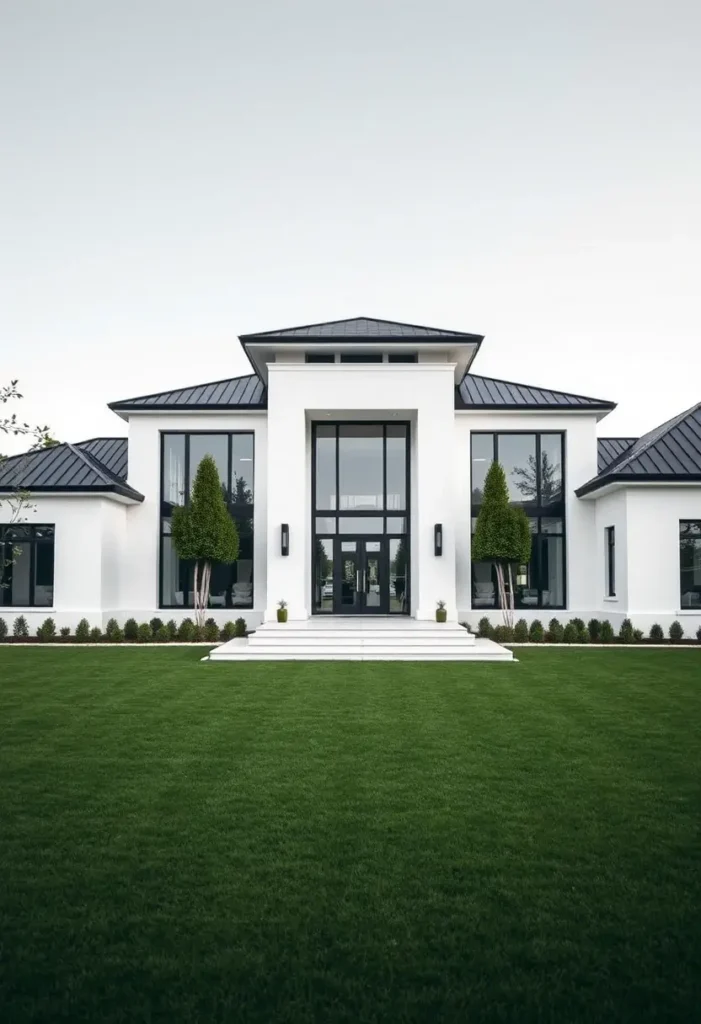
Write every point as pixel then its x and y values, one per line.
pixel 182 841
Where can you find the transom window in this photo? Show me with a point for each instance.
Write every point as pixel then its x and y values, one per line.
pixel 534 468
pixel 233 453
pixel 27 565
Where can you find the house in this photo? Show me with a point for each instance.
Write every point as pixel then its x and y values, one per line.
pixel 353 459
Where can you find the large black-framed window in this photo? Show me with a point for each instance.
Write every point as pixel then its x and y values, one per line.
pixel 27 565
pixel 610 561
pixel 234 455
pixel 690 563
pixel 534 464
pixel 361 487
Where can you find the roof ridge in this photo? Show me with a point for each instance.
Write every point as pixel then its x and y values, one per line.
pixel 281 331
pixel 103 437
pixel 538 387
pixel 185 387
pixel 652 437
pixel 93 463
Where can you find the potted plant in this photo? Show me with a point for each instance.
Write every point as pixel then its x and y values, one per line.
pixel 441 612
pixel 282 611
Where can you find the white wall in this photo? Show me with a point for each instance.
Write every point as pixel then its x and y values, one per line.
pixel 299 394
pixel 611 510
pixel 140 575
pixel 580 465
pixel 87 548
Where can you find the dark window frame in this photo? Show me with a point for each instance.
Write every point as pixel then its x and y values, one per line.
pixel 320 357
pixel 537 511
pixel 34 542
pixel 336 514
pixel 236 511
pixel 403 357
pixel 610 548
pixel 686 523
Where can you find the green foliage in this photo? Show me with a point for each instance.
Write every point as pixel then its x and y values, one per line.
pixel 47 630
pixel 95 635
pixel 211 621
pixel 502 533
pixel 198 635
pixel 131 629
pixel 676 632
pixel 638 635
pixel 20 627
pixel 606 633
pixel 594 630
pixel 155 624
pixel 485 628
pixel 536 633
pixel 556 632
pixel 584 637
pixel 112 630
pixel 186 631
pixel 64 632
pixel 3 629
pixel 228 632
pixel 240 627
pixel 625 634
pixel 211 631
pixel 82 632
pixel 582 631
pixel 521 632
pixel 204 530
pixel 144 633
pixel 657 633
pixel 503 634
pixel 570 634
pixel 698 634
pixel 162 634
pixel 172 627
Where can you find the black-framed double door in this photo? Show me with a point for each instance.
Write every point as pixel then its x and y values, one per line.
pixel 361 579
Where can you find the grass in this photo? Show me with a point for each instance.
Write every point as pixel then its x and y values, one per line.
pixel 188 842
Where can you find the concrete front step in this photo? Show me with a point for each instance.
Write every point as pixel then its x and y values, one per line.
pixel 244 650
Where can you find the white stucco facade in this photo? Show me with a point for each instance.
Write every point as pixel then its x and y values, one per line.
pixel 107 545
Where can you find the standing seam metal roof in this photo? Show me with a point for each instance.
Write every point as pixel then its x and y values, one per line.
pixel 477 391
pixel 247 392
pixel 64 467
pixel 611 448
pixel 360 327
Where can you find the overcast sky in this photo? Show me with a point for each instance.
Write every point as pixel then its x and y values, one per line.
pixel 176 173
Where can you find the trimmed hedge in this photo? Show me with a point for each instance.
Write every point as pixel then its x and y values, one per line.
pixel 536 634
pixel 521 632
pixel 676 632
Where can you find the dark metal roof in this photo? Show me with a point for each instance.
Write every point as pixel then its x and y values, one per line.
pixel 112 452
pixel 65 467
pixel 668 453
pixel 611 448
pixel 363 328
pixel 476 392
pixel 247 392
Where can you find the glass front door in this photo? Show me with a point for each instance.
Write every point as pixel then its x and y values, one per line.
pixel 360 589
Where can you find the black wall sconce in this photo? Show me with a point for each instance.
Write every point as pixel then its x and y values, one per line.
pixel 438 539
pixel 284 539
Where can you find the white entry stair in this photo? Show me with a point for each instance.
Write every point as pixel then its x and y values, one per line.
pixel 336 638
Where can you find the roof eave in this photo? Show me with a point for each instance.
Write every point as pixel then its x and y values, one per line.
pixel 609 480
pixel 123 490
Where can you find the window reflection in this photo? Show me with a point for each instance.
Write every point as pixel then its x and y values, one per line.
pixel 216 445
pixel 325 467
pixel 360 466
pixel 396 467
pixel 517 454
pixel 323 575
pixel 482 458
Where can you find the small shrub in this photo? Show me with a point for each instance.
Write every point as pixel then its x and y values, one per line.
pixel 657 633
pixel 698 634
pixel 131 629
pixel 578 624
pixel 503 634
pixel 162 634
pixel 47 630
pixel 521 632
pixel 155 624
pixel 625 634
pixel 594 630
pixel 111 629
pixel 82 632
pixel 570 635
pixel 556 632
pixel 3 629
pixel 198 635
pixel 676 632
pixel 240 627
pixel 211 631
pixel 467 626
pixel 95 635
pixel 228 632
pixel 144 633
pixel 584 637
pixel 606 633
pixel 485 628
pixel 172 627
pixel 637 635
pixel 536 634
pixel 186 631
pixel 117 636
pixel 20 627
pixel 64 632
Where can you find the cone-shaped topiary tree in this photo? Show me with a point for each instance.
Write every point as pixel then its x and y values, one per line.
pixel 502 535
pixel 204 532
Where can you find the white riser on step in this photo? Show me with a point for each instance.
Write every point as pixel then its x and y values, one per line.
pixel 364 641
pixel 367 656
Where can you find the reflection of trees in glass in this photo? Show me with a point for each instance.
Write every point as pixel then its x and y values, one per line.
pixel 323 561
pixel 550 479
pixel 398 569
pixel 240 493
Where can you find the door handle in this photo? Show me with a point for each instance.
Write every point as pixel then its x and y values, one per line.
pixel 357 580
pixel 365 582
